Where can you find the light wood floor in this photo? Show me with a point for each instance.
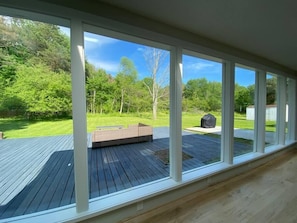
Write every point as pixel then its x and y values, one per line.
pixel 266 194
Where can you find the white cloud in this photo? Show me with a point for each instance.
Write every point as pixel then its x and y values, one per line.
pixel 108 66
pixel 141 49
pixel 92 40
pixel 101 40
pixel 94 43
pixel 199 66
pixel 90 37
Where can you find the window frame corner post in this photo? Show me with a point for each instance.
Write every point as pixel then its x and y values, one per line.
pixel 227 134
pixel 292 106
pixel 175 143
pixel 260 112
pixel 79 116
pixel 281 110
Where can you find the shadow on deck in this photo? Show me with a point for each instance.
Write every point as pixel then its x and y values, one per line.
pixel 37 174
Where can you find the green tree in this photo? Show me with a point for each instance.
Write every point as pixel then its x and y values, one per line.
pixel 196 88
pixel 8 64
pixel 242 97
pixel 44 93
pixel 271 83
pixel 8 61
pixel 125 80
pixel 251 89
pixel 32 43
pixel 140 98
pixel 158 67
pixel 214 96
pixel 38 42
pixel 100 88
pixel 202 95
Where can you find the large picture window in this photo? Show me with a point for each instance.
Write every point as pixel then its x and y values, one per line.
pixel 244 107
pixel 36 152
pixel 201 111
pixel 127 98
pixel 123 101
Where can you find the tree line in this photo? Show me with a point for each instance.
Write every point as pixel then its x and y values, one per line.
pixel 35 79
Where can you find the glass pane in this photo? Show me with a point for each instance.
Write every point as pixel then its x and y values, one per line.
pixel 201 112
pixel 271 109
pixel 244 114
pixel 36 158
pixel 127 87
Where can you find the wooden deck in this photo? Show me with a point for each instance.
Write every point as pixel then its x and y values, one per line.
pixel 265 194
pixel 36 174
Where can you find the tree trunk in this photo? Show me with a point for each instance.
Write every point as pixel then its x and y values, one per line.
pixel 122 101
pixel 155 109
pixel 155 101
pixel 94 102
pixel 101 108
pixel 113 104
pixel 128 107
pixel 155 59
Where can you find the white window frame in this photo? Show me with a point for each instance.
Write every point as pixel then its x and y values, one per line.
pixel 175 138
pixel 79 116
pixel 292 106
pixel 227 138
pixel 281 110
pixel 260 111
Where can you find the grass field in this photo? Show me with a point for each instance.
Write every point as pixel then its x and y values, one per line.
pixel 20 128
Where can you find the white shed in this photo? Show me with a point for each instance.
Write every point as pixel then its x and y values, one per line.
pixel 271 112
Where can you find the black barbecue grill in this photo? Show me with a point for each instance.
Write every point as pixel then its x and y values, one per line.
pixel 208 121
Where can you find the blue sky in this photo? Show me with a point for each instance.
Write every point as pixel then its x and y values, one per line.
pixel 104 52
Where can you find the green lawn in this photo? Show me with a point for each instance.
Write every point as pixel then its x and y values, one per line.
pixel 19 128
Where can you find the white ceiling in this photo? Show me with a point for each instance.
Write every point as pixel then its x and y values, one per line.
pixel 266 28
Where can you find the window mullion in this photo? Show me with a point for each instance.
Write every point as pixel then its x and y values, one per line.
pixel 292 110
pixel 79 117
pixel 228 112
pixel 175 114
pixel 260 112
pixel 281 110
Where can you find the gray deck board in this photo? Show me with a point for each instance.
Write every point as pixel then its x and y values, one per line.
pixel 101 182
pixel 36 174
